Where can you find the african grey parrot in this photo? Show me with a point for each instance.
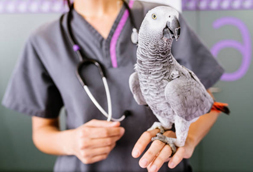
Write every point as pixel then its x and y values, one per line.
pixel 173 92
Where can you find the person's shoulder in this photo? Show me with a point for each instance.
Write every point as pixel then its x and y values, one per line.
pixel 47 31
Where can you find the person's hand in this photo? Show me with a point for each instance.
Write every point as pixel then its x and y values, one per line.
pixel 93 141
pixel 159 152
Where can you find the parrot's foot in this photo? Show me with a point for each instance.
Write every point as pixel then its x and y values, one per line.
pixel 168 140
pixel 157 125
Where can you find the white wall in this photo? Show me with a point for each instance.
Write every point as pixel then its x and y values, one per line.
pixel 174 3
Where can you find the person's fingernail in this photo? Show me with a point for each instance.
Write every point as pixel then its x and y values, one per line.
pixel 136 153
pixel 153 168
pixel 172 165
pixel 144 163
pixel 122 131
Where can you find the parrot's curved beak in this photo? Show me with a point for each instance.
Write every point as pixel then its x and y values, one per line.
pixel 172 29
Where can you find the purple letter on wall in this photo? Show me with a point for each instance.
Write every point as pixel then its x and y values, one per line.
pixel 244 48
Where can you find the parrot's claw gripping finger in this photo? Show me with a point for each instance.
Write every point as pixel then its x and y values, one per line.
pixel 169 141
pixel 157 125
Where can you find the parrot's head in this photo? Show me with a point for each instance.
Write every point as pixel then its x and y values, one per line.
pixel 160 23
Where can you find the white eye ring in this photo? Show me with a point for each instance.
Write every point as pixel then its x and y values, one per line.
pixel 154 16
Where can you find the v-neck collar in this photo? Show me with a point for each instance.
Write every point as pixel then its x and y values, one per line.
pixel 94 31
pixel 108 52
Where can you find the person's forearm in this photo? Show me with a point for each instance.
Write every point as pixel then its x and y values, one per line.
pixel 50 140
pixel 201 127
pixel 90 143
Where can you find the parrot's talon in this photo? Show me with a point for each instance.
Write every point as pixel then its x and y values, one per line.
pixel 167 140
pixel 157 125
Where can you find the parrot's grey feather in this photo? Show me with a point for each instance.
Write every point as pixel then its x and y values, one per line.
pixel 134 85
pixel 187 99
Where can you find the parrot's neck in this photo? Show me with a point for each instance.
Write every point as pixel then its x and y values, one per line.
pixel 154 59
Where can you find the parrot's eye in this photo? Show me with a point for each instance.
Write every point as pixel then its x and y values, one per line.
pixel 154 16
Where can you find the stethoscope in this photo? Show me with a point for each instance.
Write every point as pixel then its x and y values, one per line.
pixel 86 61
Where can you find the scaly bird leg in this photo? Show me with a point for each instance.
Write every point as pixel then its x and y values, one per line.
pixel 167 140
pixel 162 138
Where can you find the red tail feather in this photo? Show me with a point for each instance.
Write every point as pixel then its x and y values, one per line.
pixel 220 107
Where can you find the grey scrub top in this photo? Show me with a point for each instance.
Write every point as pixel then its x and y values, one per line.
pixel 44 80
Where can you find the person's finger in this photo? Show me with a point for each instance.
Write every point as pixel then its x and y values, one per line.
pixel 96 143
pixel 143 141
pixel 170 134
pixel 97 151
pixel 151 153
pixel 177 158
pixel 148 168
pixel 90 132
pixel 162 157
pixel 101 123
pixel 94 159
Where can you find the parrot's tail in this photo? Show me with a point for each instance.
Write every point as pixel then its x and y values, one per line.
pixel 220 107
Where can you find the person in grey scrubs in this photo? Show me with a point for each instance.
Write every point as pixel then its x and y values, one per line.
pixel 44 81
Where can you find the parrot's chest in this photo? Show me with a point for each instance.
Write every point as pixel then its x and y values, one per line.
pixel 154 94
pixel 153 91
pixel 153 78
pixel 154 73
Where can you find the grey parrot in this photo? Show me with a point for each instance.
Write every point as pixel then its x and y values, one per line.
pixel 173 92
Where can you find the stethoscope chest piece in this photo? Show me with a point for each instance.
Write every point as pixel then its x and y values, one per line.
pixel 134 36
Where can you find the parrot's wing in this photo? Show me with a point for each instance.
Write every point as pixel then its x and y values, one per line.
pixel 187 98
pixel 193 76
pixel 134 85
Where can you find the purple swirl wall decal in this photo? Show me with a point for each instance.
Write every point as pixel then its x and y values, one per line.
pixel 244 48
